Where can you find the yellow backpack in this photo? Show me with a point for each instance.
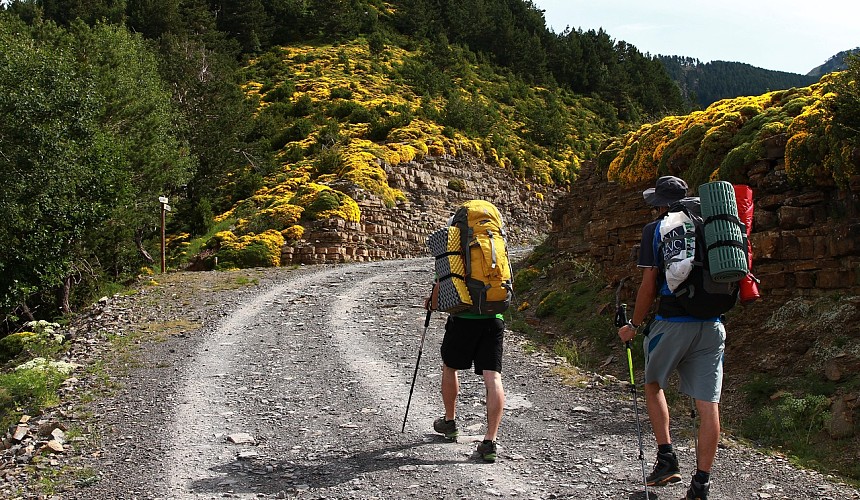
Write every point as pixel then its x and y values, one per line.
pixel 472 264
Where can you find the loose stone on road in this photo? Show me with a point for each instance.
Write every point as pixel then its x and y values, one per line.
pixel 297 388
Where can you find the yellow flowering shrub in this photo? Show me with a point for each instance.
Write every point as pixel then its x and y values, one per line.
pixel 293 233
pixel 252 250
pixel 222 238
pixel 724 140
pixel 279 215
pixel 322 202
pixel 331 100
pixel 363 169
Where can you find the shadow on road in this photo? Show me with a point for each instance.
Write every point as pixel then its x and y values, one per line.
pixel 640 495
pixel 270 476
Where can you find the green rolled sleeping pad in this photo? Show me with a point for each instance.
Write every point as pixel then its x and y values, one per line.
pixel 724 233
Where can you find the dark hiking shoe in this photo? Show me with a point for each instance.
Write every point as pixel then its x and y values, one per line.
pixel 698 491
pixel 487 450
pixel 665 470
pixel 447 428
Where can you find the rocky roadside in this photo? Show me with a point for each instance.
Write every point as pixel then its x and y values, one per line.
pixel 291 383
pixel 106 342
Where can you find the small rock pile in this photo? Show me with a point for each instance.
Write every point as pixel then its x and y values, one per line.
pixel 45 442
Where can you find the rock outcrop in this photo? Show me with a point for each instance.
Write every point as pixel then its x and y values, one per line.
pixel 806 244
pixel 434 186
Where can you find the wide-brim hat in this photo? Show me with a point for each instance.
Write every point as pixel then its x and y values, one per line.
pixel 666 191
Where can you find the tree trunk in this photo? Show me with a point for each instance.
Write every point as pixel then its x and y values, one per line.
pixel 26 311
pixel 64 295
pixel 138 241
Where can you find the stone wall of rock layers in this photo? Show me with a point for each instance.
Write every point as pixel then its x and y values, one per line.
pixel 806 246
pixel 806 240
pixel 434 187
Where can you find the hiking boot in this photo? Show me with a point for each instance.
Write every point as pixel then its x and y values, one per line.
pixel 665 470
pixel 447 428
pixel 698 491
pixel 487 450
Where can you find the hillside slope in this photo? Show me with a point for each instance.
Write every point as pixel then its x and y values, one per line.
pixel 792 357
pixel 835 63
pixel 348 122
pixel 702 84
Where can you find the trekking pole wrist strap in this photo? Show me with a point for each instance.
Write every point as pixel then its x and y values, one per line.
pixel 631 325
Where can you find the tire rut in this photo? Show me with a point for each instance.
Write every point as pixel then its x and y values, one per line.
pixel 316 366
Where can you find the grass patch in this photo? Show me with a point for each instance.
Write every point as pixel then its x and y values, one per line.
pixel 529 347
pixel 160 329
pixel 568 350
pixel 28 391
pixel 240 281
pixel 245 281
pixel 790 416
pixel 571 376
pixel 86 476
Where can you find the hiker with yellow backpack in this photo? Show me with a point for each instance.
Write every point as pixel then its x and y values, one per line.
pixel 474 285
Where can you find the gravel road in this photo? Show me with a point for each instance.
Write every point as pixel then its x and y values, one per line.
pixel 296 387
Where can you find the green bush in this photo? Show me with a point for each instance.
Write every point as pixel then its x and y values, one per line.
pixel 28 391
pixel 524 279
pixel 341 93
pixel 381 127
pixel 325 200
pixel 281 93
pixel 13 345
pixel 362 114
pixel 303 106
pixel 469 114
pixel 552 303
pixel 299 130
pixel 330 161
pixel 456 185
pixel 789 420
pixel 345 109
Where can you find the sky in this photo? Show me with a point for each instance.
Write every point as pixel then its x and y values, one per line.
pixel 787 35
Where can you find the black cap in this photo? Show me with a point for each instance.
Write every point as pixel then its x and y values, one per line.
pixel 668 190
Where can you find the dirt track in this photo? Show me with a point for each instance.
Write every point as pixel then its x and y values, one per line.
pixel 314 366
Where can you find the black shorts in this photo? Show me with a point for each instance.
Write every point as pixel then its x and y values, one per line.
pixel 473 340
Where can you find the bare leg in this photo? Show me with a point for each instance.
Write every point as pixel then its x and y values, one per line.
pixel 450 391
pixel 709 434
pixel 658 412
pixel 495 402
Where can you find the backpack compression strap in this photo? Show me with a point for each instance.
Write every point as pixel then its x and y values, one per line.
pixel 492 250
pixel 450 275
pixel 728 243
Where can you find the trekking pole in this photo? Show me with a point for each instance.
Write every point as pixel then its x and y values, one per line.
pixel 415 373
pixel 695 428
pixel 621 320
pixel 638 425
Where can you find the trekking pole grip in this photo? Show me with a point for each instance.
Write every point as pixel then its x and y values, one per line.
pixel 427 318
pixel 630 366
pixel 621 315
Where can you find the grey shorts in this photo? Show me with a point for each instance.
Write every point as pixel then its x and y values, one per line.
pixel 695 349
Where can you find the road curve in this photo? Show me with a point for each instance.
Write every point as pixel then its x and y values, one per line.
pixel 299 389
